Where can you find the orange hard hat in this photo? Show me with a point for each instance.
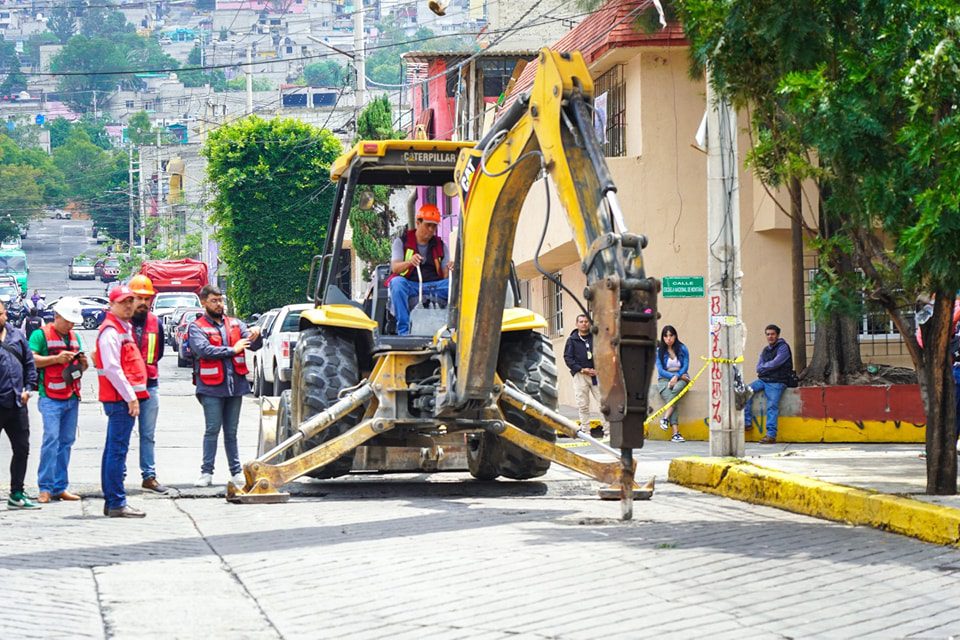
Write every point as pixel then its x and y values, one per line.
pixel 141 285
pixel 429 213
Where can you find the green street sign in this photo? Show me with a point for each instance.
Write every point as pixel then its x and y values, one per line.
pixel 683 287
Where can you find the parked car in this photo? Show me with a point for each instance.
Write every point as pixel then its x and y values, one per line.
pixel 173 319
pixel 111 270
pixel 253 357
pixel 181 338
pixel 13 242
pixel 60 214
pixel 275 362
pixel 93 312
pixel 166 302
pixel 81 268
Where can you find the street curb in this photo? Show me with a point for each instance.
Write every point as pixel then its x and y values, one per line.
pixel 742 480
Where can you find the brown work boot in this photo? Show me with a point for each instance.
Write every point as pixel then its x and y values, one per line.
pixel 44 497
pixel 67 496
pixel 767 440
pixel 151 484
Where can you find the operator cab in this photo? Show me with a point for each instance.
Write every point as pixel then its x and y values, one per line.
pixel 383 183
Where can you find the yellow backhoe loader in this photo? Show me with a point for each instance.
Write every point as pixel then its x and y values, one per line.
pixel 476 390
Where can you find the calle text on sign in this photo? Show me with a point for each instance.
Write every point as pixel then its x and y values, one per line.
pixel 683 287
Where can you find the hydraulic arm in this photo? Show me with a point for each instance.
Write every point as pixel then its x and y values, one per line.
pixel 551 131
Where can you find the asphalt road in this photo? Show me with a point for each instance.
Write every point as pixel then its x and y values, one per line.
pixel 50 245
pixel 433 556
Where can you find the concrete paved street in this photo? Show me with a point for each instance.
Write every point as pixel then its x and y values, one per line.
pixel 442 556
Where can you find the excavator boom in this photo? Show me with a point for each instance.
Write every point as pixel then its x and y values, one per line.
pixel 550 131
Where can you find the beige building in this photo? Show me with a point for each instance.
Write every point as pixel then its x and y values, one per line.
pixel 653 113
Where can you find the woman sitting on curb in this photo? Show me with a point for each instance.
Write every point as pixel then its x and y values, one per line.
pixel 673 362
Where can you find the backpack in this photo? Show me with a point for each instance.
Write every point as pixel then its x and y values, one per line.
pixel 31 324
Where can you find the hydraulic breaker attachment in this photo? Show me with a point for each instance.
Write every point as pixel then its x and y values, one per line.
pixel 616 474
pixel 263 479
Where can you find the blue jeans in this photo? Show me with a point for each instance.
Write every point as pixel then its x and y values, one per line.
pixel 59 434
pixel 400 291
pixel 221 413
pixel 147 425
pixel 772 391
pixel 113 467
pixel 957 397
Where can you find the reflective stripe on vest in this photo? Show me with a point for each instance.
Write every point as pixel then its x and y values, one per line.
pixel 213 372
pixel 55 386
pixel 131 362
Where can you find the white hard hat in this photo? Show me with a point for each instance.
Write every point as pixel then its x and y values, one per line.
pixel 70 310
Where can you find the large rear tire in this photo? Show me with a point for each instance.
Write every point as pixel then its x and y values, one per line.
pixel 526 359
pixel 325 363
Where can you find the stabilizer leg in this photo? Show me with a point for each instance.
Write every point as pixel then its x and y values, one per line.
pixel 263 480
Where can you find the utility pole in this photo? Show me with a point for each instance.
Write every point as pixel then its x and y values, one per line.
pixel 143 208
pixel 160 217
pixel 130 237
pixel 359 55
pixel 726 336
pixel 249 79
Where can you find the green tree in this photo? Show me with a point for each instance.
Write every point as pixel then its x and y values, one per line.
pixel 49 177
pixel 62 23
pixel 20 197
pixel 14 80
pixel 240 84
pixel 861 97
pixel 325 73
pixel 94 55
pixel 140 130
pixel 371 227
pixel 86 168
pixel 101 22
pixel 272 205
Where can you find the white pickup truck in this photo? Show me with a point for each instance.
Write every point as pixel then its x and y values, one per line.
pixel 274 362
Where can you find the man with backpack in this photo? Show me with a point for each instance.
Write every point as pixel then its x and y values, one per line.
pixel 18 377
pixel 775 373
pixel 33 321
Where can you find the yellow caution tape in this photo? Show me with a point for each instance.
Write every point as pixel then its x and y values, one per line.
pixel 683 391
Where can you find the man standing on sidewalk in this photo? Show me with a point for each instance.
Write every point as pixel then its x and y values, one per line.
pixel 578 356
pixel 218 343
pixel 775 372
pixel 123 383
pixel 60 359
pixel 149 336
pixel 18 375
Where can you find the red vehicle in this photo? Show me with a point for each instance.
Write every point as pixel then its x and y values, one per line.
pixel 176 275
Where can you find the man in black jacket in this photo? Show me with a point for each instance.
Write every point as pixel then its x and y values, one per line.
pixel 18 377
pixel 578 356
pixel 775 371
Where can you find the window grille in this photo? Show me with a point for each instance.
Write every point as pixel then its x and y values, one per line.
pixel 553 305
pixel 612 84
pixel 878 336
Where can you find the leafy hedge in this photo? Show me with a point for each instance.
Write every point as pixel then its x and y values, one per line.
pixel 272 205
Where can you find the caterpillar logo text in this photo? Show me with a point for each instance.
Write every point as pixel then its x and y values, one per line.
pixel 429 157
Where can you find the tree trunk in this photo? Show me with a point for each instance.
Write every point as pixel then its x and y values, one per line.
pixel 936 388
pixel 836 345
pixel 796 255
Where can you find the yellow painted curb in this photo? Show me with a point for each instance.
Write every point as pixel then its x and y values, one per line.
pixel 741 480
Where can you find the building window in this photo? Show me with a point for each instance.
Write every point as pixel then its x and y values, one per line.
pixel 611 88
pixel 496 74
pixel 553 304
pixel 148 105
pixel 878 337
pixel 129 104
